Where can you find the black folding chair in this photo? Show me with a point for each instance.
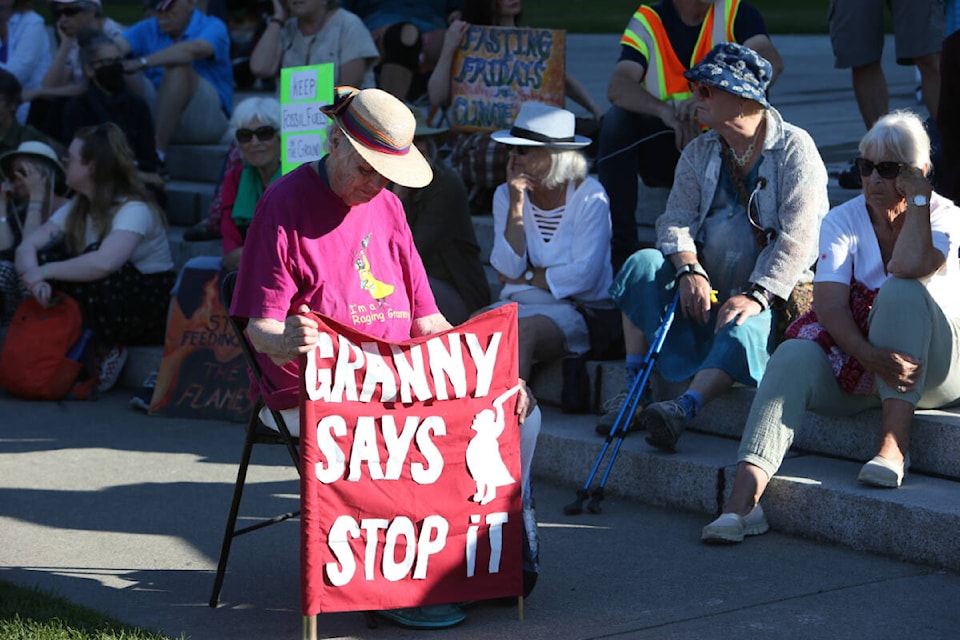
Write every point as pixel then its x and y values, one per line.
pixel 257 433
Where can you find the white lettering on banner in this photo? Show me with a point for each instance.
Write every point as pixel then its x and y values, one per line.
pixel 304 147
pixel 495 521
pixel 409 376
pixel 431 540
pixel 364 448
pixel 303 85
pixel 302 118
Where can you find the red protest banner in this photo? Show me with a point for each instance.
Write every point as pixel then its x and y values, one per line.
pixel 411 467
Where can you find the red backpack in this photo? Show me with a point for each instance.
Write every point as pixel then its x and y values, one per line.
pixel 43 353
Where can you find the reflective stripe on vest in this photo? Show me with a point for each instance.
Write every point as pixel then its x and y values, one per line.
pixel 664 74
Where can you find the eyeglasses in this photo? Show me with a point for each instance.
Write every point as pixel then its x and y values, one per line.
pixel 69 12
pixel 702 90
pixel 753 211
pixel 263 134
pixel 886 170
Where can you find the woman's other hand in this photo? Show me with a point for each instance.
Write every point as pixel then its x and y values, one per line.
pixel 300 333
pixel 738 308
pixel 695 298
pixel 279 11
pixel 526 402
pixel 911 182
pixel 33 179
pixel 454 36
pixel 42 292
pixel 517 184
pixel 897 370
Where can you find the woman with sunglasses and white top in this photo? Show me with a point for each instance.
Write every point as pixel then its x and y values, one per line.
pixel 885 328
pixel 741 220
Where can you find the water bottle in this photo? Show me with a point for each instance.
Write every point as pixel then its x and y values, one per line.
pixel 79 348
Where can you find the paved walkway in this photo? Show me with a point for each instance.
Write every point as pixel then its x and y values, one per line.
pixel 124 512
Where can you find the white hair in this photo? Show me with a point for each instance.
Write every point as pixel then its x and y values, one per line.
pixel 898 136
pixel 264 110
pixel 566 165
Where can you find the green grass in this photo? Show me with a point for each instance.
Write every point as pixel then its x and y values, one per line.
pixel 31 614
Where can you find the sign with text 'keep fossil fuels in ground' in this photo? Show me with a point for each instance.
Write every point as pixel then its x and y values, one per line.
pixel 303 90
pixel 411 467
pixel 496 69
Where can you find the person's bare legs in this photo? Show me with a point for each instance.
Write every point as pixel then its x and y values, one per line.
pixel 895 429
pixel 178 86
pixel 929 67
pixel 870 88
pixel 748 485
pixel 394 78
pixel 710 383
pixel 634 342
pixel 540 340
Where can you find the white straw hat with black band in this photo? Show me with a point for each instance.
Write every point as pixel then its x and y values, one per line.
pixel 542 125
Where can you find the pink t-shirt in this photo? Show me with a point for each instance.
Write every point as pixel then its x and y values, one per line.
pixel 357 265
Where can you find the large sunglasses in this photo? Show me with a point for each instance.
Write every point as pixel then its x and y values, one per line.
pixel 69 12
pixel 886 170
pixel 264 134
pixel 702 90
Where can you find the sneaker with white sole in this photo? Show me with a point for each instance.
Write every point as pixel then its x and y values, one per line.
pixel 110 367
pixel 665 421
pixel 143 396
pixel 731 528
pixel 611 409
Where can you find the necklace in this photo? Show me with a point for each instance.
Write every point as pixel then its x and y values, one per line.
pixel 741 161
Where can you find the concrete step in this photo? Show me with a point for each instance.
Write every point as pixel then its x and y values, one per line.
pixel 935 434
pixel 188 202
pixel 812 496
pixel 197 163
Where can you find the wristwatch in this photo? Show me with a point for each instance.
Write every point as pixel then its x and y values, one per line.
pixel 143 62
pixel 759 295
pixel 919 200
pixel 528 275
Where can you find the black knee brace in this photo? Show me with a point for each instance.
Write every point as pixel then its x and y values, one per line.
pixel 395 51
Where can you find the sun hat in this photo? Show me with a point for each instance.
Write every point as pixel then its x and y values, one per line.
pixel 542 125
pixel 31 148
pixel 735 69
pixel 381 128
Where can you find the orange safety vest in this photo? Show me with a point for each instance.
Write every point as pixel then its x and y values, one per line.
pixel 664 75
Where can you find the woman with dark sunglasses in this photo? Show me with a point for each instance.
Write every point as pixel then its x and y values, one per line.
pixel 884 331
pixel 741 221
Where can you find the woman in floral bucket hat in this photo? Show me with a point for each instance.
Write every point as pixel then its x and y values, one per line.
pixel 738 234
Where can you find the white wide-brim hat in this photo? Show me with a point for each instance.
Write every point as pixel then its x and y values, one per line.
pixel 542 125
pixel 31 149
pixel 381 128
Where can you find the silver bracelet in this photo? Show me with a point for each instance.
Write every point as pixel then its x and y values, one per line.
pixel 692 267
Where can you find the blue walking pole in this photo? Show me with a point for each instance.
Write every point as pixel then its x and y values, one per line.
pixel 622 423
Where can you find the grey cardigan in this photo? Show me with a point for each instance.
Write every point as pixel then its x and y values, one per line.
pixel 793 201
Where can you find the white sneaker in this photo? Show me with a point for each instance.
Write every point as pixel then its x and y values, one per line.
pixel 732 528
pixel 110 367
pixel 881 472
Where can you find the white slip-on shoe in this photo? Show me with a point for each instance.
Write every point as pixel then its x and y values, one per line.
pixel 881 472
pixel 731 528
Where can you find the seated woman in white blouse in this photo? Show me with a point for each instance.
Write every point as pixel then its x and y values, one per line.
pixel 110 250
pixel 551 234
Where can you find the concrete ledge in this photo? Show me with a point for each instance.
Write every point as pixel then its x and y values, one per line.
pixel 199 163
pixel 188 202
pixel 813 497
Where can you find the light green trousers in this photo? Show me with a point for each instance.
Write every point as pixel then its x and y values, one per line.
pixel 799 378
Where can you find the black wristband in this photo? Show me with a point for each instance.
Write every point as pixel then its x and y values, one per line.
pixel 277 20
pixel 692 267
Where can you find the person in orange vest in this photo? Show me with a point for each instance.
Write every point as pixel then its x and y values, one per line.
pixel 653 116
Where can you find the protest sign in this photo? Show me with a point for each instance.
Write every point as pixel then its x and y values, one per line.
pixel 410 493
pixel 496 69
pixel 202 370
pixel 303 90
